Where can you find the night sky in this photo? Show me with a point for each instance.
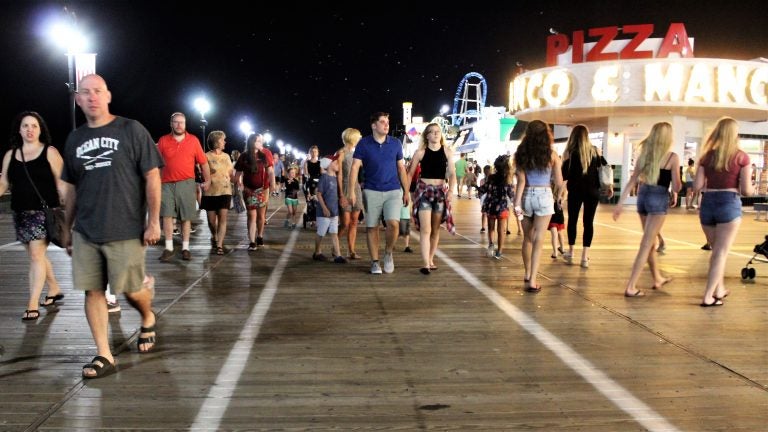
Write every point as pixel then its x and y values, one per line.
pixel 306 73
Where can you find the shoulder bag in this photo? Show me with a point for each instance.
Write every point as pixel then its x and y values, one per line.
pixel 54 217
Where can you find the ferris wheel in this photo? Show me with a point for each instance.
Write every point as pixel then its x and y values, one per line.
pixel 469 99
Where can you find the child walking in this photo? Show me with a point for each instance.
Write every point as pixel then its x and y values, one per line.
pixel 328 209
pixel 292 187
pixel 556 227
pixel 495 205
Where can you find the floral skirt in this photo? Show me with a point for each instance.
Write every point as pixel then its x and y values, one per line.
pixel 30 225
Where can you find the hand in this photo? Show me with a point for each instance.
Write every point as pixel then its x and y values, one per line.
pixel 152 233
pixel 616 213
pixel 610 192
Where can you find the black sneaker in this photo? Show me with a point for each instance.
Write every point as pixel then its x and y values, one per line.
pixel 259 241
pixel 252 246
pixel 408 249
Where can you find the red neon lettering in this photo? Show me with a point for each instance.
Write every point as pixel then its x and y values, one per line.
pixel 642 32
pixel 577 54
pixel 676 41
pixel 607 34
pixel 556 44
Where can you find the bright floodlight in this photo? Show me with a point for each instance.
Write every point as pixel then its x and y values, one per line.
pixel 245 127
pixel 202 105
pixel 288 147
pixel 444 109
pixel 69 38
pixel 267 137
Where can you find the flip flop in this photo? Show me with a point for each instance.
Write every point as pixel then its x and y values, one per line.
pixel 30 315
pixel 101 366
pixel 53 299
pixel 638 293
pixel 717 302
pixel 424 270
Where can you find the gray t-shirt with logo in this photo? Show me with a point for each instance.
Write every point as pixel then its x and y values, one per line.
pixel 107 167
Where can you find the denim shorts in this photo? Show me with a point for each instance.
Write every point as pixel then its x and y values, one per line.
pixel 652 200
pixel 719 207
pixel 538 201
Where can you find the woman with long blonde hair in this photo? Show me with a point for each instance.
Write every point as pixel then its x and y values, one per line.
pixel 581 161
pixel 724 171
pixel 656 169
pixel 350 211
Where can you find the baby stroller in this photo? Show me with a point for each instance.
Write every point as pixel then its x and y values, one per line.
pixel 761 249
pixel 310 211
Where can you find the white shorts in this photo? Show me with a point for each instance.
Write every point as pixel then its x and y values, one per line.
pixel 327 225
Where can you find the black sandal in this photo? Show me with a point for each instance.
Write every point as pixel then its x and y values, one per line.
pixel 53 299
pixel 31 315
pixel 101 366
pixel 146 340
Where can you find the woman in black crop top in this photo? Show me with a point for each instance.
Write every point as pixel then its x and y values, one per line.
pixel 655 169
pixel 30 147
pixel 431 202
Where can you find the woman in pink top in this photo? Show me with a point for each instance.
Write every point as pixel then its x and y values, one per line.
pixel 724 172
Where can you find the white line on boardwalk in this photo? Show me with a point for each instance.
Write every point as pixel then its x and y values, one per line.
pixel 620 397
pixel 216 402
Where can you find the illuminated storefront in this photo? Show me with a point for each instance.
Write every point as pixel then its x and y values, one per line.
pixel 622 87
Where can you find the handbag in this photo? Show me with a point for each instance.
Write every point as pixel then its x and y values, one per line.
pixel 54 217
pixel 606 176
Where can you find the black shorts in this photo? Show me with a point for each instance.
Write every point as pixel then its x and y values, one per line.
pixel 217 202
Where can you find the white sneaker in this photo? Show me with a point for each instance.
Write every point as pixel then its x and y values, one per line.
pixel 568 257
pixel 490 252
pixel 375 268
pixel 389 263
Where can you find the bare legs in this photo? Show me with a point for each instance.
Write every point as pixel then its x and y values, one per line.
pixel 533 240
pixel 646 253
pixel 720 237
pixel 372 238
pixel 429 236
pixel 40 272
pixel 217 224
pixel 349 219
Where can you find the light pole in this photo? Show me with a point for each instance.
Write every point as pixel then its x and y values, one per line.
pixel 68 36
pixel 202 106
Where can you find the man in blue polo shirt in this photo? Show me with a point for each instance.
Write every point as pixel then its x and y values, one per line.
pixel 381 157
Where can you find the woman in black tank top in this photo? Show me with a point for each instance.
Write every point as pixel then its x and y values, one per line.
pixel 432 199
pixel 30 149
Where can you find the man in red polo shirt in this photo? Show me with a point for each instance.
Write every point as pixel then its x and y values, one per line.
pixel 180 151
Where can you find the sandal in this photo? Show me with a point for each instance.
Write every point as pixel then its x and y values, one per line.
pixel 30 315
pixel 148 339
pixel 101 366
pixel 219 251
pixel 53 299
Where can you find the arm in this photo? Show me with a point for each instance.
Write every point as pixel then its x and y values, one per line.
pixel 451 173
pixel 4 173
pixel 746 187
pixel 340 178
pixel 520 176
pixel 70 197
pixel 558 174
pixel 699 181
pixel 412 167
pixel 326 211
pixel 403 181
pixel 206 175
pixel 353 180
pixel 57 164
pixel 152 190
pixel 677 184
pixel 625 193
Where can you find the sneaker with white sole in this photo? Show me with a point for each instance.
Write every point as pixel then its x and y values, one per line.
pixel 389 263
pixel 375 268
pixel 490 252
pixel 568 257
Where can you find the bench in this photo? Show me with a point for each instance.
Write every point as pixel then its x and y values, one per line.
pixel 761 208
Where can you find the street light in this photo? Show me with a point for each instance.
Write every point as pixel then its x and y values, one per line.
pixel 247 130
pixel 267 138
pixel 69 37
pixel 444 109
pixel 202 106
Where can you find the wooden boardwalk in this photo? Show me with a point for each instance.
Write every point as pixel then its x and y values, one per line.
pixel 271 340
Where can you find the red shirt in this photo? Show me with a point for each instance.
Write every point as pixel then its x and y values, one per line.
pixel 180 157
pixel 249 168
pixel 724 179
